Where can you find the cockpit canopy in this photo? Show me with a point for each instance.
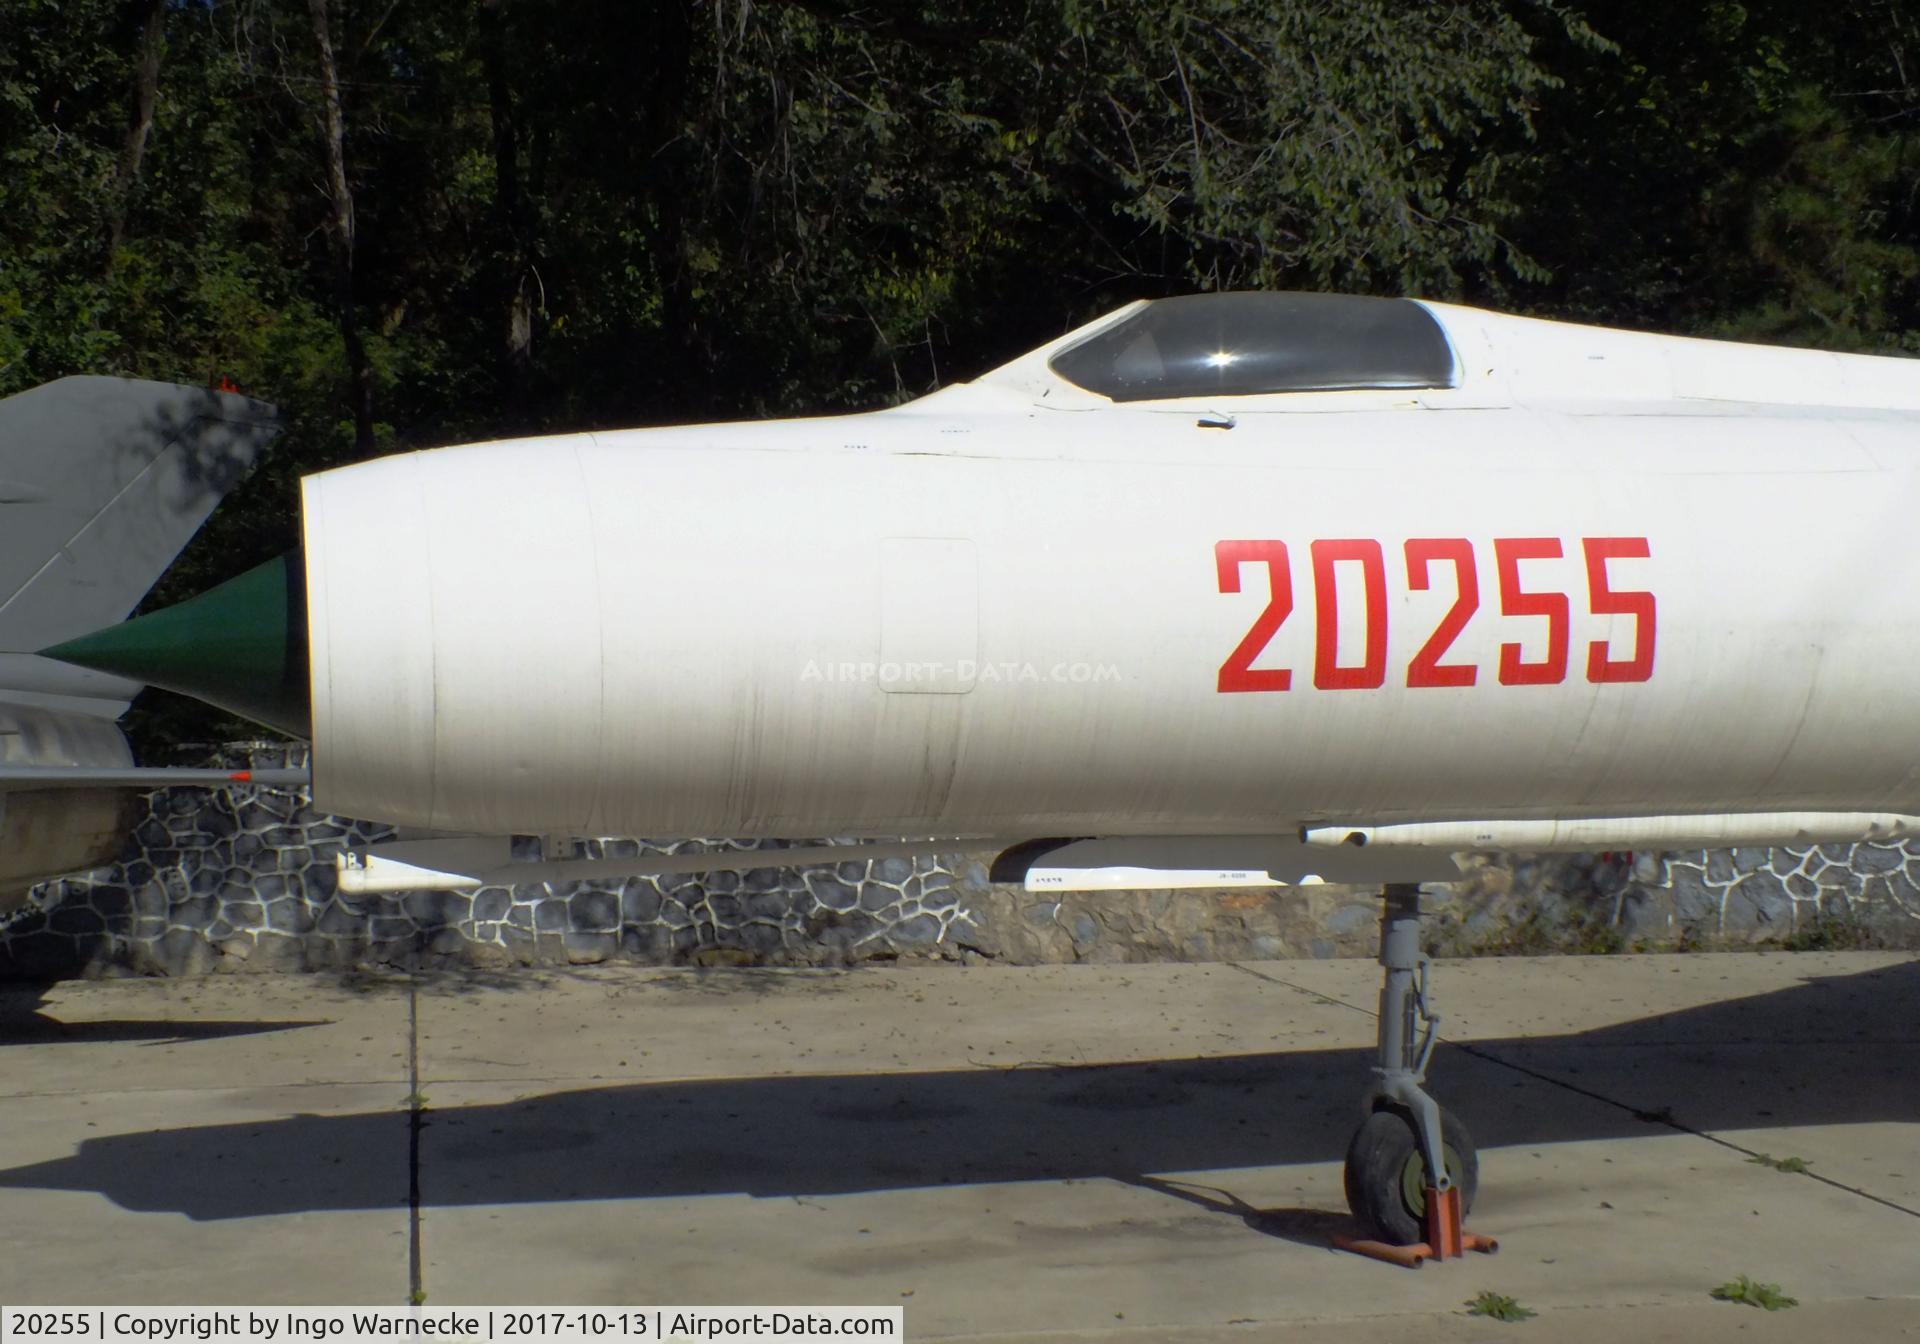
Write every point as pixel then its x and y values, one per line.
pixel 1237 345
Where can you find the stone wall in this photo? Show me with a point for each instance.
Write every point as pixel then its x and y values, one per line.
pixel 243 879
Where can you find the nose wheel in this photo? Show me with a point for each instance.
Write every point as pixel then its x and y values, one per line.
pixel 1412 1169
pixel 1387 1177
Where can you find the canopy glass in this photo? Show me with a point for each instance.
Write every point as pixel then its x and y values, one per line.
pixel 1236 345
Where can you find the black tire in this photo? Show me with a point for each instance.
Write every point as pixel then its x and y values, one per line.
pixel 1387 1175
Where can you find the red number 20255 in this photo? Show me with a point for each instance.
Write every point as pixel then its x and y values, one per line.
pixel 1424 557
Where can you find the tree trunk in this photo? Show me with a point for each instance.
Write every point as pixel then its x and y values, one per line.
pixel 510 214
pixel 146 89
pixel 340 233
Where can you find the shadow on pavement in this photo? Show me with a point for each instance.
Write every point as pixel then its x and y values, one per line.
pixel 1307 1227
pixel 1840 1050
pixel 22 1023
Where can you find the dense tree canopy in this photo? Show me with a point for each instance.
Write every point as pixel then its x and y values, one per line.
pixel 419 221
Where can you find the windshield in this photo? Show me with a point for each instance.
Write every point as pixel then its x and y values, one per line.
pixel 1249 343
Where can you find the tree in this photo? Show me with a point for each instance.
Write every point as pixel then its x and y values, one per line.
pixel 432 222
pixel 1744 169
pixel 340 227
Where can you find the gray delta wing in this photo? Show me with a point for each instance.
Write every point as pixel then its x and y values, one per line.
pixel 102 481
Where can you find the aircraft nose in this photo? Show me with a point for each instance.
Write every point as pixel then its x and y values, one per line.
pixel 241 646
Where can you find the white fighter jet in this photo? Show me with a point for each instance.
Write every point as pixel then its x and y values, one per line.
pixel 1253 587
pixel 102 481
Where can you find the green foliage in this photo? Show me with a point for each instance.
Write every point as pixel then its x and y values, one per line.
pixel 577 213
pixel 1532 934
pixel 1796 1165
pixel 1735 169
pixel 1833 933
pixel 1498 1306
pixel 1748 1293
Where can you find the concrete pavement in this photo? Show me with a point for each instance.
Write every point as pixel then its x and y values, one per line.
pixel 1124 1152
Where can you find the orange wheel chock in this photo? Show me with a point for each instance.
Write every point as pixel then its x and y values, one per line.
pixel 1446 1239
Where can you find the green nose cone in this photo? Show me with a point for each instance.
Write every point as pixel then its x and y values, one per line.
pixel 241 646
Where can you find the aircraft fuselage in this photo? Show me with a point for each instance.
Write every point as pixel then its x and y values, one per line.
pixel 1007 610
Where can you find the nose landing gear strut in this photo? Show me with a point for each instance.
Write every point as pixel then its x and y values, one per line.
pixel 1411 1169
